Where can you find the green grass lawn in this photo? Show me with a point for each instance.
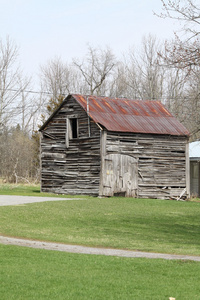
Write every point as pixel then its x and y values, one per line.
pixel 148 225
pixel 138 224
pixel 40 274
pixel 27 190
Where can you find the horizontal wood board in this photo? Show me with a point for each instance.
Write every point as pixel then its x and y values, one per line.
pixel 161 161
pixel 76 168
pixel 72 170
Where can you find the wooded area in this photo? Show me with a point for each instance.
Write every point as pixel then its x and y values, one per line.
pixel 157 71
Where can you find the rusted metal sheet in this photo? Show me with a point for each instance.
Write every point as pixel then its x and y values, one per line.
pixel 138 116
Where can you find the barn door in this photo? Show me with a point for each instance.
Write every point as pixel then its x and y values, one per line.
pixel 120 175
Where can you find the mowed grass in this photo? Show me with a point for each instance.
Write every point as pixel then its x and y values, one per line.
pixel 29 190
pixel 138 224
pixel 20 189
pixel 40 274
pixel 148 225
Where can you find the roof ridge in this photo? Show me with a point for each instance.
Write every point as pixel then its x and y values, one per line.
pixel 115 98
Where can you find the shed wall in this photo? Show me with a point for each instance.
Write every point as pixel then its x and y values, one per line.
pixel 74 169
pixel 161 162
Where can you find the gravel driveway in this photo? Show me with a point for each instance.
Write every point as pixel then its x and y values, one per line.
pixel 90 250
pixel 17 200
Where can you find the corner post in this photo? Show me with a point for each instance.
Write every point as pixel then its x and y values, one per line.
pixel 187 169
pixel 102 155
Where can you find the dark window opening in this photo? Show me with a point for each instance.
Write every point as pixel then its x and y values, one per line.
pixel 120 194
pixel 74 128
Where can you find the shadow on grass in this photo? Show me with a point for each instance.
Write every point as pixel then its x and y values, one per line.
pixel 36 191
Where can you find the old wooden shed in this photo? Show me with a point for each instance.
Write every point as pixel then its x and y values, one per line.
pixel 108 146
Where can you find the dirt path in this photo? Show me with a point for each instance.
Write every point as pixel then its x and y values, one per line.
pixel 90 250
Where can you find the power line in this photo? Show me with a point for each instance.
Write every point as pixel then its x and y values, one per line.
pixel 29 91
pixel 49 93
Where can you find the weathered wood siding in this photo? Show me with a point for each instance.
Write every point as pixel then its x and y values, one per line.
pixel 86 165
pixel 120 175
pixel 74 169
pixel 161 161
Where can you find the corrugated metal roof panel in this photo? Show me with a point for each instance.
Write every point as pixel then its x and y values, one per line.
pixel 123 115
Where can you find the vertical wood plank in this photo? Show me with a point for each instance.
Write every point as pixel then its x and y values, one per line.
pixel 103 139
pixel 120 175
pixel 67 133
pixel 187 169
pixel 41 137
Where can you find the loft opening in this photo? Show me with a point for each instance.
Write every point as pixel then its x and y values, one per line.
pixel 73 128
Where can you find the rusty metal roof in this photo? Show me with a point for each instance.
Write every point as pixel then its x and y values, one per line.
pixel 124 115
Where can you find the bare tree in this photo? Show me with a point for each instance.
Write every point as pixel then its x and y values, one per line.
pixel 58 79
pixel 16 107
pixel 9 75
pixel 175 83
pixel 96 68
pixel 187 12
pixel 184 52
pixel 12 85
pixel 117 86
pixel 17 156
pixel 145 77
pixel 191 106
pixel 88 77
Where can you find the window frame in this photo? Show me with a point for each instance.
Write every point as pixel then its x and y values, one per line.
pixel 70 128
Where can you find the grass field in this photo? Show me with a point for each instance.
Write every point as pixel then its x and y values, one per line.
pixel 27 190
pixel 142 224
pixel 138 224
pixel 41 274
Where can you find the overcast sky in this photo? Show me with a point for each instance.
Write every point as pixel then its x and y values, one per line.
pixel 44 29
